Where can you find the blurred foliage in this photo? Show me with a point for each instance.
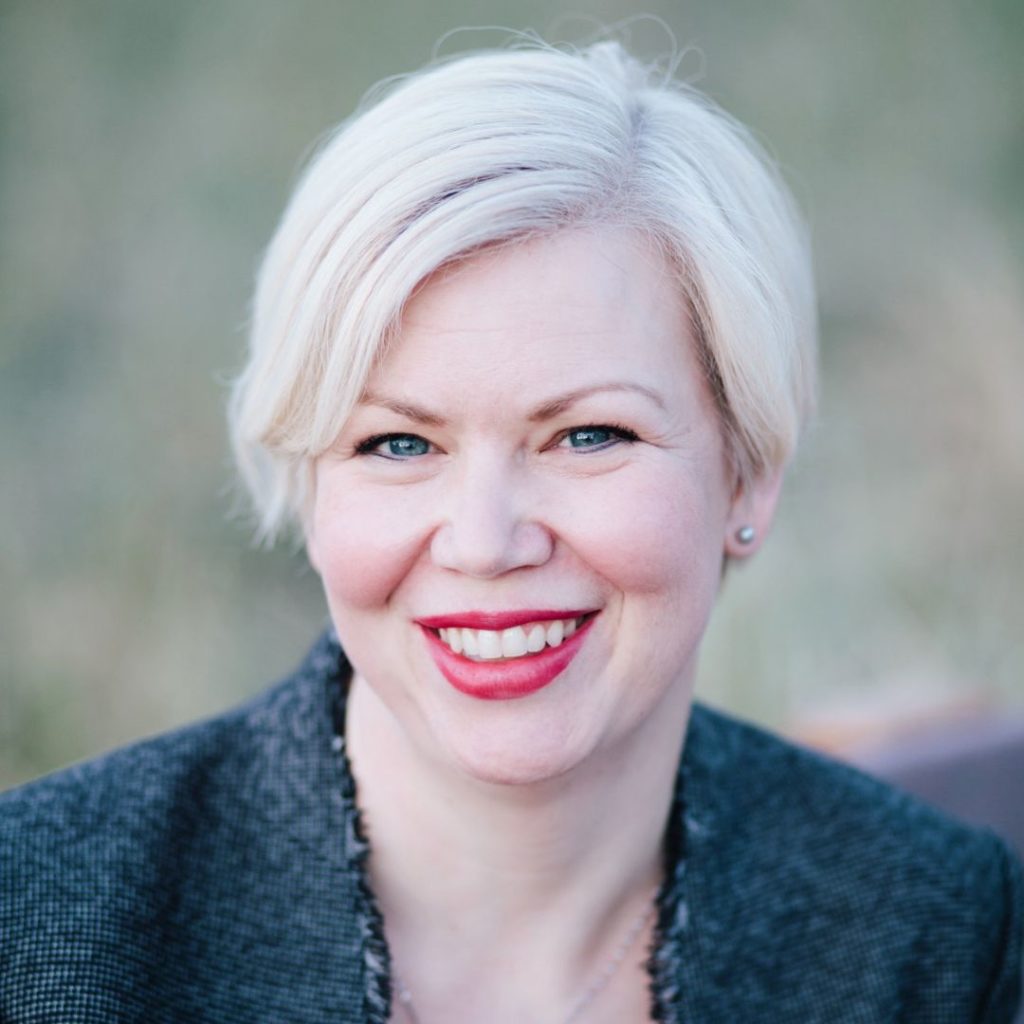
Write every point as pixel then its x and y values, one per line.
pixel 146 150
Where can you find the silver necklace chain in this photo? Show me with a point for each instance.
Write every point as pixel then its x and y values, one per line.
pixel 594 987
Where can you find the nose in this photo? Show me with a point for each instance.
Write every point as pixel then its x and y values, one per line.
pixel 490 526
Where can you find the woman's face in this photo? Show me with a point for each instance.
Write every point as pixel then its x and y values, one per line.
pixel 520 530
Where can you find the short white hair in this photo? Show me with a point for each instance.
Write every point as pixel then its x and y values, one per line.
pixel 500 145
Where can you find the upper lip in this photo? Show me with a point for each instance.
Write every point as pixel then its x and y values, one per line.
pixel 500 620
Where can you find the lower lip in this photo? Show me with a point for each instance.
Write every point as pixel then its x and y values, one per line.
pixel 505 679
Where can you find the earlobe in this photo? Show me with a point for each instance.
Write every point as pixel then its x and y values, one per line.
pixel 311 551
pixel 750 518
pixel 309 535
pixel 307 522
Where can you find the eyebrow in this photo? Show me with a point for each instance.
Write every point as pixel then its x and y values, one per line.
pixel 558 405
pixel 545 411
pixel 409 410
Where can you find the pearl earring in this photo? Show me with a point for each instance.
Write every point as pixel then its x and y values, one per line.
pixel 746 535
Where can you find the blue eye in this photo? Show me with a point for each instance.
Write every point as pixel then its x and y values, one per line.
pixel 598 437
pixel 394 446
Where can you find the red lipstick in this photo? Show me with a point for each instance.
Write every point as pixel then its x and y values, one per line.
pixel 501 620
pixel 507 678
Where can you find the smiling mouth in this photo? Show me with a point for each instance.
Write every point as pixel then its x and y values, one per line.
pixel 506 644
pixel 528 651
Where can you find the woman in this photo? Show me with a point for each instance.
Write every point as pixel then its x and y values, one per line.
pixel 531 349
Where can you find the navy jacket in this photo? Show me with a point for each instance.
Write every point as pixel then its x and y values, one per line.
pixel 217 875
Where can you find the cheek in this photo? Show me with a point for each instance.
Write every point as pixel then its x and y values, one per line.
pixel 652 535
pixel 363 544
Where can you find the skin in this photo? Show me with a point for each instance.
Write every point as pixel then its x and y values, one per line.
pixel 509 842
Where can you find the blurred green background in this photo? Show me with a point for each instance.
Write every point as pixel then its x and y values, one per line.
pixel 146 151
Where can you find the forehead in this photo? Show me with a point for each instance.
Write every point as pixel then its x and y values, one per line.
pixel 613 261
pixel 578 303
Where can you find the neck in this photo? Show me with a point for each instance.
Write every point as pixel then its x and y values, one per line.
pixel 547 875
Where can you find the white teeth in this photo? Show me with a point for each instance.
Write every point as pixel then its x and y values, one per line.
pixel 536 638
pixel 492 645
pixel 513 642
pixel 555 633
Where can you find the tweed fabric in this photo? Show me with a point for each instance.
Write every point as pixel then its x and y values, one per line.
pixel 217 874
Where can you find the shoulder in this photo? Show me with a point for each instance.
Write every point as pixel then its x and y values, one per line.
pixel 156 782
pixel 124 818
pixel 840 869
pixel 811 802
pixel 193 870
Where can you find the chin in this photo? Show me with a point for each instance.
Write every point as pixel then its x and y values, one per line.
pixel 519 773
pixel 515 760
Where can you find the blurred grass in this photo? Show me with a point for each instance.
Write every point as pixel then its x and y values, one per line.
pixel 146 150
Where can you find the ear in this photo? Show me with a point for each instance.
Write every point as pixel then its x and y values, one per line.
pixel 753 506
pixel 312 553
pixel 307 521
